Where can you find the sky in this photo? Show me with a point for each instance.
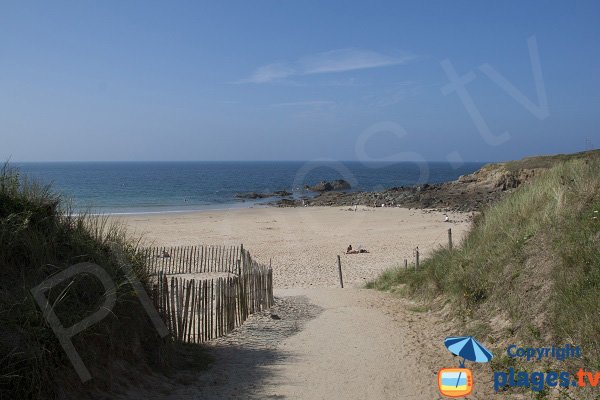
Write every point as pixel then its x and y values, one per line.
pixel 298 80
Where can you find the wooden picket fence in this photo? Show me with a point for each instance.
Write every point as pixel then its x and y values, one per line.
pixel 192 259
pixel 200 309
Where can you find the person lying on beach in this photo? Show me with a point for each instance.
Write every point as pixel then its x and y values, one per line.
pixel 350 251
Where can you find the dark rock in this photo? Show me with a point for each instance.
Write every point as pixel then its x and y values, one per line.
pixel 340 184
pixel 288 203
pixel 324 186
pixel 251 195
pixel 321 187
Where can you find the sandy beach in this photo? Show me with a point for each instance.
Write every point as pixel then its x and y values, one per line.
pixel 365 339
pixel 303 243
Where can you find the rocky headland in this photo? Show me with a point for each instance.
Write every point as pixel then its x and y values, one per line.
pixel 468 193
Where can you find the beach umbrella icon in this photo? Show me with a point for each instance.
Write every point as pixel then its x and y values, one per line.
pixel 468 348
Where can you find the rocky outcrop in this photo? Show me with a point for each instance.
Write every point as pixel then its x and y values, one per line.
pixel 467 193
pixel 325 186
pixel 341 184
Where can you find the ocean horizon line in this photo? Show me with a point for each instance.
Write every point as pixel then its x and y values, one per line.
pixel 324 160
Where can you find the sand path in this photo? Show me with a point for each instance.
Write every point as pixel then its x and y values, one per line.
pixel 328 344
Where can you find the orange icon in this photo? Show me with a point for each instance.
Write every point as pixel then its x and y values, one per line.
pixel 455 382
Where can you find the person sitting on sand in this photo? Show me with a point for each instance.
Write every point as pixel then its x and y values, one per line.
pixel 349 250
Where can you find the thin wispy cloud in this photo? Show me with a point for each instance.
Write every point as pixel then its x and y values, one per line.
pixel 270 72
pixel 347 60
pixel 340 60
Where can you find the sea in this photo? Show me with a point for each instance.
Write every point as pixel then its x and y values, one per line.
pixel 162 187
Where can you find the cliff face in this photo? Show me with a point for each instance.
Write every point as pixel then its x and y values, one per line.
pixel 467 193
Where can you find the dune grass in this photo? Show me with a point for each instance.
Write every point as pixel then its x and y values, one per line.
pixel 40 236
pixel 532 259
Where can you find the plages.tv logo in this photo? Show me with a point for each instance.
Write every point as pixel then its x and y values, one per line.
pixel 458 382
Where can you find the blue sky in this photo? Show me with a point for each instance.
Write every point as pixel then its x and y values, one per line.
pixel 297 80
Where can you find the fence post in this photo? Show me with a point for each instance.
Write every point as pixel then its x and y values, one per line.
pixel 417 258
pixel 450 239
pixel 405 264
pixel 242 257
pixel 340 271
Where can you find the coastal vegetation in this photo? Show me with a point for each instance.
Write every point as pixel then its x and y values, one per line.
pixel 40 237
pixel 529 269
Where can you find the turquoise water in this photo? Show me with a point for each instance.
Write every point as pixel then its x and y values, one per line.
pixel 146 187
pixel 454 379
